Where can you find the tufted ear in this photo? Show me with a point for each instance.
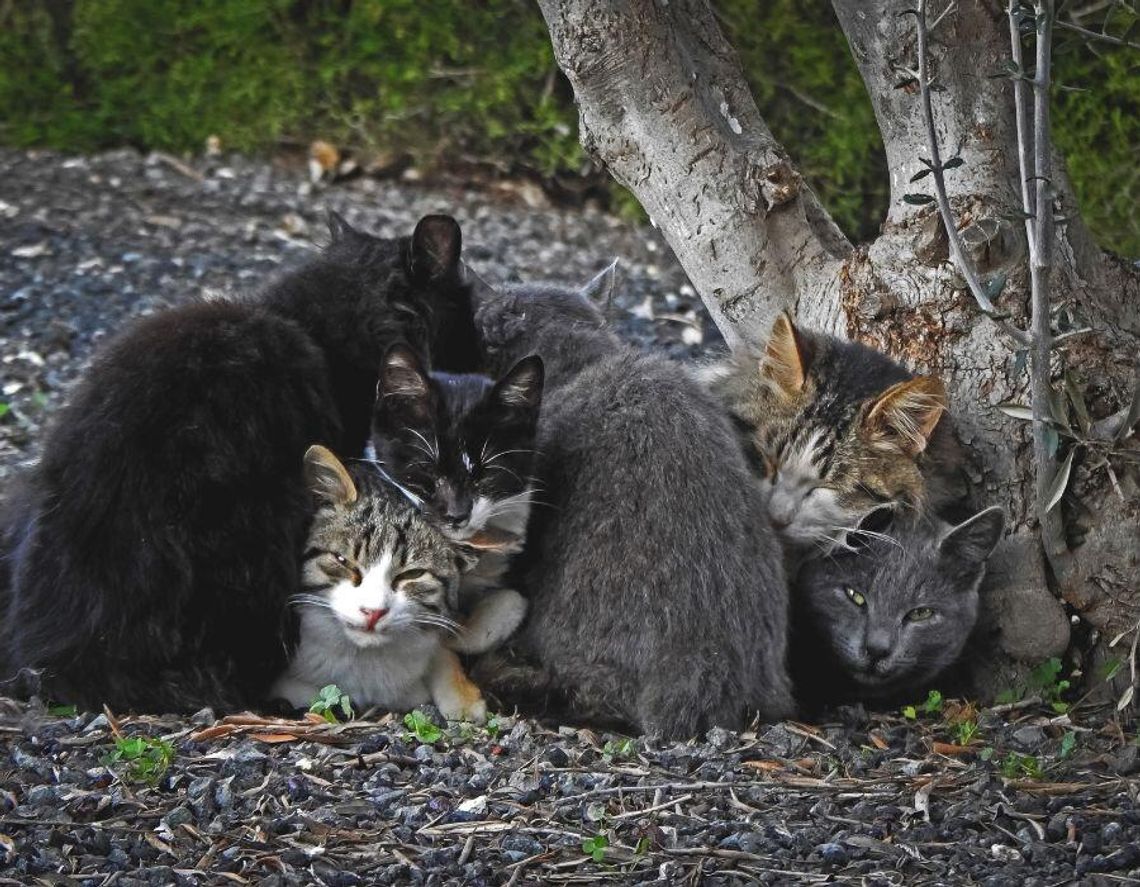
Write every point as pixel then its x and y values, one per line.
pixel 403 391
pixel 435 247
pixel 521 387
pixel 906 414
pixel 787 356
pixel 327 478
pixel 872 525
pixel 339 228
pixel 600 289
pixel 973 540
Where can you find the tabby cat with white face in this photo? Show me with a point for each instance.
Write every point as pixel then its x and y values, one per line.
pixel 379 585
pixel 836 429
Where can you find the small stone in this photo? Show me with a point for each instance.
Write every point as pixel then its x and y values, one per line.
pixel 177 817
pixel 1029 737
pixel 833 854
pixel 719 738
pixel 1005 853
pixel 557 756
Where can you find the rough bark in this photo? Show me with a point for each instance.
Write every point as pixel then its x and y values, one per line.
pixel 663 104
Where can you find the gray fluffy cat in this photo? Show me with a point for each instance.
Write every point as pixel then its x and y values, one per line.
pixel 657 590
pixel 880 623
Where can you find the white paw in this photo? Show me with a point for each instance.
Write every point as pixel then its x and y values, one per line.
pixel 457 710
pixel 495 618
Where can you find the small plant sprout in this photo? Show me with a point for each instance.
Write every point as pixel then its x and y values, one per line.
pixel 619 749
pixel 145 759
pixel 932 705
pixel 965 732
pixel 1068 744
pixel 421 727
pixel 596 846
pixel 1016 766
pixel 1046 679
pixel 328 701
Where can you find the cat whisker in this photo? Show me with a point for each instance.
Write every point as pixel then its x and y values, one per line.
pixel 502 453
pixel 432 451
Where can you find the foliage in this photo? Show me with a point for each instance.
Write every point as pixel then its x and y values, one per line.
pixel 447 80
pixel 421 727
pixel 932 705
pixel 596 846
pixel 145 759
pixel 1046 679
pixel 1017 766
pixel 329 700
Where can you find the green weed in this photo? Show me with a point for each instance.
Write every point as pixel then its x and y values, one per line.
pixel 421 727
pixel 145 759
pixel 328 701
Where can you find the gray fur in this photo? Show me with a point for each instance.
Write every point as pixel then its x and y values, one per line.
pixel 657 588
pixel 849 606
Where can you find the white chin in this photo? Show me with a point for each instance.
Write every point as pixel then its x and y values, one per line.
pixel 362 638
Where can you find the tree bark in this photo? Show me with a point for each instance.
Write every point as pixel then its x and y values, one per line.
pixel 663 104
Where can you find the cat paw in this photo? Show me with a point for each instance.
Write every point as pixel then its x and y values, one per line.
pixel 474 711
pixel 494 619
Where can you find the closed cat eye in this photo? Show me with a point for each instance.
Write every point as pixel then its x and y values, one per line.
pixel 343 567
pixel 409 576
pixel 919 614
pixel 855 597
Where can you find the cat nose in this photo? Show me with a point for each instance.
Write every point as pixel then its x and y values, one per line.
pixel 371 617
pixel 878 647
pixel 457 517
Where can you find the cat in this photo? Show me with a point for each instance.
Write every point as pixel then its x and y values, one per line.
pixel 657 592
pixel 835 429
pixel 882 621
pixel 157 544
pixel 377 579
pixel 463 447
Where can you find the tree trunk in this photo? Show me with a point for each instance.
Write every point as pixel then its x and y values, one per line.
pixel 663 105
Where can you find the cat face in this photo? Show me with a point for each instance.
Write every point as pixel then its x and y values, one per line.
pixel 463 445
pixel 898 609
pixel 371 562
pixel 834 429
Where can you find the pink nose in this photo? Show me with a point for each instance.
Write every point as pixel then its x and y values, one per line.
pixel 371 617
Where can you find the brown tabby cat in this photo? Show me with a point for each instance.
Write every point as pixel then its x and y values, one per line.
pixel 838 429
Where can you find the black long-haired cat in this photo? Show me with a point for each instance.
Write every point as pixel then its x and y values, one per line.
pixel 159 538
pixel 656 585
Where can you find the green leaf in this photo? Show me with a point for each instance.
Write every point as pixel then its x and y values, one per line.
pixel 909 712
pixel 986 753
pixel 1068 744
pixel 596 847
pixel 993 286
pixel 1060 481
pixel 4 409
pixel 63 711
pixel 1110 668
pixel 953 163
pixel 921 174
pixel 422 727
pixel 933 702
pixel 1059 707
pixel 917 199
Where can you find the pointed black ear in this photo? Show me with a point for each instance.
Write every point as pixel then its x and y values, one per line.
pixel 601 287
pixel 339 228
pixel 973 540
pixel 327 478
pixel 404 388
pixel 436 244
pixel 521 388
pixel 872 525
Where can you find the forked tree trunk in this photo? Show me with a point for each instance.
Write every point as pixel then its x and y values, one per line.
pixel 664 105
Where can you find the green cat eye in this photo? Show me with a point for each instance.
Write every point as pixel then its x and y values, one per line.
pixel 919 614
pixel 855 597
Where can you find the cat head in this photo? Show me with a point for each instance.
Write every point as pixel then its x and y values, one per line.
pixel 834 429
pixel 896 610
pixel 414 288
pixel 372 563
pixel 565 324
pixel 463 445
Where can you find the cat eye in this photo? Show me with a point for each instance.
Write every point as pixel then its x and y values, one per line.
pixel 855 597
pixel 409 576
pixel 919 614
pixel 341 559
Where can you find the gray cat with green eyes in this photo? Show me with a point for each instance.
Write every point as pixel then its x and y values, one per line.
pixel 887 617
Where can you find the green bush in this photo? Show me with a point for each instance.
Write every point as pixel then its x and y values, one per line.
pixel 452 80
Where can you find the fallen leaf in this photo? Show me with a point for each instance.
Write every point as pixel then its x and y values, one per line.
pixel 766 766
pixel 275 737
pixel 878 741
pixel 214 732
pixel 949 748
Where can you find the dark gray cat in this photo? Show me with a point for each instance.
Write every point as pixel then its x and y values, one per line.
pixel 884 620
pixel 657 589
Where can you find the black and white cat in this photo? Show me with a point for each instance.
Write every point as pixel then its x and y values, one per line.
pixel 154 547
pixel 462 446
pixel 881 621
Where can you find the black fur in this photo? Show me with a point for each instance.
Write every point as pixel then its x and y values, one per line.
pixel 656 585
pixel 160 535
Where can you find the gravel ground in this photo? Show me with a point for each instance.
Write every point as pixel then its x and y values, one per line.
pixel 1024 796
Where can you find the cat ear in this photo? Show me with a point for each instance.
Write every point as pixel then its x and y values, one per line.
pixel 339 228
pixel 787 357
pixel 521 388
pixel 906 414
pixel 872 525
pixel 403 384
pixel 435 248
pixel 974 539
pixel 327 477
pixel 601 287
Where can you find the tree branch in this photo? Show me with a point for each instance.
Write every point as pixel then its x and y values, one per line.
pixel 1097 35
pixel 663 104
pixel 1021 111
pixel 957 251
